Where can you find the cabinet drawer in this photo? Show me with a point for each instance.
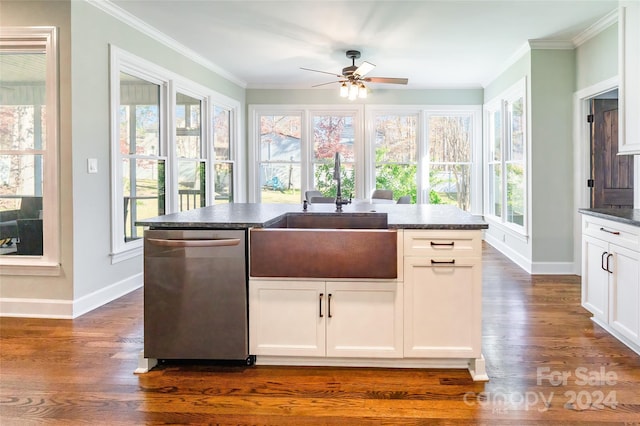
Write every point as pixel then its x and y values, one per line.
pixel 439 243
pixel 613 232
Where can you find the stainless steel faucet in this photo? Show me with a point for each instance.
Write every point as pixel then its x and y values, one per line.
pixel 336 176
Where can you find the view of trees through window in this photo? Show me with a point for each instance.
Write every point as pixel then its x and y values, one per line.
pixel 396 154
pixel 280 156
pixel 450 155
pixel 331 134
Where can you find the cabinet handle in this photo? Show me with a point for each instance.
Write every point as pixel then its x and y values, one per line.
pixel 443 262
pixel 609 256
pixel 329 306
pixel 321 294
pixel 602 261
pixel 610 232
pixel 451 244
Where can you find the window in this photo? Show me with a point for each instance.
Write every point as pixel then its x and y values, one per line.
pixel 222 146
pixel 505 119
pixel 141 144
pixel 173 147
pixel 280 155
pixel 190 153
pixel 28 147
pixel 450 158
pixel 412 151
pixel 333 133
pixel 396 153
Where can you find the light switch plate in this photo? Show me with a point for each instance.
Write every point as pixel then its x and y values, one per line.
pixel 92 165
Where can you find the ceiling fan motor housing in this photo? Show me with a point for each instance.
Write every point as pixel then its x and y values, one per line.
pixel 348 71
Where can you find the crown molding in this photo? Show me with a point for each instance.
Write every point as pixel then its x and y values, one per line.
pixel 595 29
pixel 136 23
pixel 551 44
pixel 515 57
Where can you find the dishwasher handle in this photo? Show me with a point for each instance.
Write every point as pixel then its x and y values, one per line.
pixel 194 243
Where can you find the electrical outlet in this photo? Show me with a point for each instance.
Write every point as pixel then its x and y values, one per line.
pixel 92 165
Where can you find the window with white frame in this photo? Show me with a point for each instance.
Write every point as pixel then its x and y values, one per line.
pixel 28 147
pixel 333 132
pixel 506 179
pixel 224 158
pixel 165 158
pixel 451 152
pixel 294 151
pixel 396 153
pixel 279 157
pixel 444 160
pixel 142 150
pixel 190 152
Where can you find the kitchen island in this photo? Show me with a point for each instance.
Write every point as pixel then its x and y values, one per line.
pixel 425 311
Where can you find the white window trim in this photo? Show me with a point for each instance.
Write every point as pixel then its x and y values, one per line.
pixel 517 90
pixel 123 61
pixel 371 111
pixel 476 148
pixel 49 262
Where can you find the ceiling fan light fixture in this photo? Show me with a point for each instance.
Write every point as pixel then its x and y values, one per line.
pixel 362 91
pixel 344 90
pixel 353 91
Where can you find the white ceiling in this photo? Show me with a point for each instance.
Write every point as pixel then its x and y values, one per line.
pixel 436 44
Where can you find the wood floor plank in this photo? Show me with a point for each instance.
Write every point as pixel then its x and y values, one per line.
pixel 64 372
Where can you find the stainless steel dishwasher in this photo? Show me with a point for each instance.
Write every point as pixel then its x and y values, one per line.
pixel 195 295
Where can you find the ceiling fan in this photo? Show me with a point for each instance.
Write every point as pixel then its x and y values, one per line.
pixel 353 77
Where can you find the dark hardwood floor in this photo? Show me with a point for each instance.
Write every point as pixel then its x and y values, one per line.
pixel 535 333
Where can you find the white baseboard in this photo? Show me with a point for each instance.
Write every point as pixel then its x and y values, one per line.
pixel 513 255
pixel 68 309
pixel 35 308
pixel 553 268
pixel 107 294
pixel 538 268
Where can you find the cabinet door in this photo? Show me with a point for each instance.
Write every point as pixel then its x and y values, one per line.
pixel 286 318
pixel 624 307
pixel 595 278
pixel 629 66
pixel 364 319
pixel 442 307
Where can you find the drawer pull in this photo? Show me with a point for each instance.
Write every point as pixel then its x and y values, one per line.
pixel 443 262
pixel 604 253
pixel 321 294
pixel 451 244
pixel 610 232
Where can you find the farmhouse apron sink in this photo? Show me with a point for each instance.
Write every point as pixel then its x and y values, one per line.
pixel 325 245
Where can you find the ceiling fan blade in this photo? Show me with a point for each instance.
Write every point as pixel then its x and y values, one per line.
pixel 324 84
pixel 364 69
pixel 386 80
pixel 324 72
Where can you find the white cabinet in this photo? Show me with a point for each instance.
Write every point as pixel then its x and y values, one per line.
pixel 443 294
pixel 317 318
pixel 611 277
pixel 629 70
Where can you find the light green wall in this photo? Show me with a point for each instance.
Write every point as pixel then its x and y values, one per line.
pixel 552 87
pixel 376 96
pixel 48 13
pixel 597 58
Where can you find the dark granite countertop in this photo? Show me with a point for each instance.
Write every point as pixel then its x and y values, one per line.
pixel 253 215
pixel 629 216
